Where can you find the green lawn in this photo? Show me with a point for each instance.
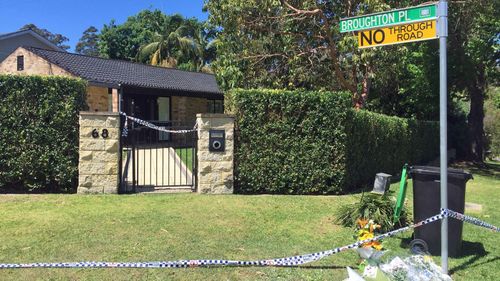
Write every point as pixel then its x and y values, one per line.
pixel 51 228
pixel 186 155
pixel 480 258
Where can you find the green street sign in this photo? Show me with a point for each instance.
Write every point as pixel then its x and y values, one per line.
pixel 384 19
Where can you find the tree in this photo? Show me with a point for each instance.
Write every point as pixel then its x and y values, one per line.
pixel 87 45
pixel 123 41
pixel 57 39
pixel 474 48
pixel 406 83
pixel 173 41
pixel 182 43
pixel 159 39
pixel 203 51
pixel 289 44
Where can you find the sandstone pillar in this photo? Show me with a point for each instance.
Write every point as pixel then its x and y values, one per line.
pixel 215 168
pixel 99 152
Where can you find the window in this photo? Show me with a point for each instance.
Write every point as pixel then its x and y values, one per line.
pixel 20 63
pixel 215 106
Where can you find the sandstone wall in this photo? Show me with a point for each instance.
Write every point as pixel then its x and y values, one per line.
pixel 215 169
pixel 98 162
pixel 33 65
pixel 97 98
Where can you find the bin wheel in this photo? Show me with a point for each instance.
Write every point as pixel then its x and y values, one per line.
pixel 419 247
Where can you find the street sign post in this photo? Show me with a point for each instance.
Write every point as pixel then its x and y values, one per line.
pixel 390 18
pixel 425 30
pixel 398 26
pixel 443 126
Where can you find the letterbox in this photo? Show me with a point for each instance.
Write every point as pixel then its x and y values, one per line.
pixel 217 140
pixel 382 183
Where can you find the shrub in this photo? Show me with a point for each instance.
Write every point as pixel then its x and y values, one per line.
pixel 299 142
pixel 380 143
pixel 39 133
pixel 289 142
pixel 379 208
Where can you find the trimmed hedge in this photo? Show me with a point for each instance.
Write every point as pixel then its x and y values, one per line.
pixel 380 143
pixel 39 133
pixel 296 142
pixel 289 142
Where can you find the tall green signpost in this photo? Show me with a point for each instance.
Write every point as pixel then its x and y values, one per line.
pixel 425 22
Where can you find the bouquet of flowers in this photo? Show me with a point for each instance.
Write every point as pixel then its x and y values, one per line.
pixel 372 251
pixel 366 230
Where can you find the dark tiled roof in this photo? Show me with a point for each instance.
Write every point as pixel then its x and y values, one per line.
pixel 110 71
pixel 48 43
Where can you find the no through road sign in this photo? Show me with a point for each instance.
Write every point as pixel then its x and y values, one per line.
pixel 397 34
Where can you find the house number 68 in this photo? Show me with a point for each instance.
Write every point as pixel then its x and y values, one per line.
pixel 104 133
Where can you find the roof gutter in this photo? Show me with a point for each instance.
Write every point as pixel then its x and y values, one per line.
pixel 103 84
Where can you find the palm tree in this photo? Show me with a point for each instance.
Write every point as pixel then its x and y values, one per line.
pixel 175 42
pixel 204 51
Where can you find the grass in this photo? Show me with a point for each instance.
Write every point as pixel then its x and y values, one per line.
pixel 186 155
pixel 52 228
pixel 480 258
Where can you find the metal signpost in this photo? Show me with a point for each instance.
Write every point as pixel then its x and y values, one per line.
pixel 425 22
pixel 443 126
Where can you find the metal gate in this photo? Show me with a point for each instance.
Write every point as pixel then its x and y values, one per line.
pixel 158 161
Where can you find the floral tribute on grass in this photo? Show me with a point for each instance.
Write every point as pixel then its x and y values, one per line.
pixel 366 230
pixel 413 268
pixel 375 265
pixel 370 252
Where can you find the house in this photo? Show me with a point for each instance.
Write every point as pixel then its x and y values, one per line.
pixel 161 95
pixel 11 41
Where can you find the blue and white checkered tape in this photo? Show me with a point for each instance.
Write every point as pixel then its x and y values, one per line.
pixel 151 126
pixel 279 262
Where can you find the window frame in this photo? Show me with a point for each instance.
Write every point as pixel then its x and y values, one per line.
pixel 215 106
pixel 20 63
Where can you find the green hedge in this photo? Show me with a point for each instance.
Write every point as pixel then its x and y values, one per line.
pixel 296 142
pixel 380 143
pixel 39 133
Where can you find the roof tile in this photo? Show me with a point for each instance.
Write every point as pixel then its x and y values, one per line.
pixel 100 70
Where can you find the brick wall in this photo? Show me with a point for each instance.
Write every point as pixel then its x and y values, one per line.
pixel 185 108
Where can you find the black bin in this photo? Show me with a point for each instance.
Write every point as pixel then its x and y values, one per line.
pixel 427 202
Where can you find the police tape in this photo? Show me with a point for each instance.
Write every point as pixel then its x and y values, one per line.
pixel 279 262
pixel 151 126
pixel 469 219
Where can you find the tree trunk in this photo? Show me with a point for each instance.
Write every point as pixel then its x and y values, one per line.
pixel 360 99
pixel 476 119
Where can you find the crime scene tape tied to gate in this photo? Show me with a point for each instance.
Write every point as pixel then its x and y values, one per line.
pixel 151 126
pixel 280 262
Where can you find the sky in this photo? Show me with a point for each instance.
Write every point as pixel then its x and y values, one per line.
pixel 71 17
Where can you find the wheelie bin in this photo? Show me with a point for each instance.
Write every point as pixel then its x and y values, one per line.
pixel 427 202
